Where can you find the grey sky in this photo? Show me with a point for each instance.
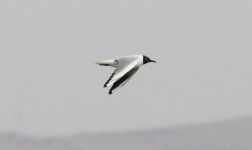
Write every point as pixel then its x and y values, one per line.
pixel 51 86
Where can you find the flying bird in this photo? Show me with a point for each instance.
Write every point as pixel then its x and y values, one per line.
pixel 126 67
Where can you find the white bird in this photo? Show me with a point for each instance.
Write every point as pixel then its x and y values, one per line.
pixel 126 67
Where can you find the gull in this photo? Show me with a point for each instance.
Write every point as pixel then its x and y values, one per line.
pixel 126 67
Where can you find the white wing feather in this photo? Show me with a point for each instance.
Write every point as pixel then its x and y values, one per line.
pixel 122 68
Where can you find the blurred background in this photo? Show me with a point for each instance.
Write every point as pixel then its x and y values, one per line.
pixel 51 87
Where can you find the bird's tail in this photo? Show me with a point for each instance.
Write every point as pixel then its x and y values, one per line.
pixel 112 63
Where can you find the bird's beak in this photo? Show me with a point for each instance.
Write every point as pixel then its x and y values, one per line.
pixel 153 61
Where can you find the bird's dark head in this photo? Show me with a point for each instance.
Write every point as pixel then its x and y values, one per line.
pixel 147 60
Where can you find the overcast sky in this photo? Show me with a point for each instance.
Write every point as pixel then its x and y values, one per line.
pixel 50 85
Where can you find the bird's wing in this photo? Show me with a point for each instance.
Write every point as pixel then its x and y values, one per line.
pixel 132 72
pixel 124 79
pixel 122 68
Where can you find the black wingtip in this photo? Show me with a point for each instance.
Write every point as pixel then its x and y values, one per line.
pixel 110 92
pixel 106 84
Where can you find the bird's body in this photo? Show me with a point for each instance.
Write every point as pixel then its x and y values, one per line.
pixel 126 67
